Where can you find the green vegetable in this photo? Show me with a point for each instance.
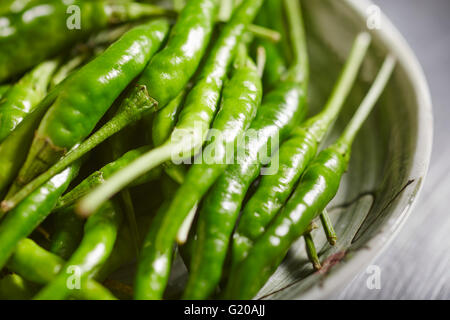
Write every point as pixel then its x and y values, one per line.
pixel 40 266
pixel 317 187
pixel 197 114
pixel 41 31
pixel 294 156
pixel 240 100
pixel 20 222
pixel 24 96
pixel 100 234
pixel 85 97
pixel 281 110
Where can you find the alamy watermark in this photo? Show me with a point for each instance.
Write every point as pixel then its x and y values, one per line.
pixel 252 147
pixel 373 281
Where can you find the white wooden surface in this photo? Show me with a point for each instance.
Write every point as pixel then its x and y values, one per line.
pixel 417 263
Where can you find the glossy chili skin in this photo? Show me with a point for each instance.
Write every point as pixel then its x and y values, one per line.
pixel 24 96
pixel 273 190
pixel 4 89
pixel 85 97
pixel 241 99
pixel 15 6
pixel 282 108
pixel 171 69
pixel 271 16
pixel 100 234
pixel 197 115
pixel 41 31
pixel 20 222
pixel 68 233
pixel 316 189
pixel 36 264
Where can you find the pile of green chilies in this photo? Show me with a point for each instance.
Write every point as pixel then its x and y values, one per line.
pixel 183 130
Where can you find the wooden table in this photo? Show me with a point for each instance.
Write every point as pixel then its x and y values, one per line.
pixel 417 263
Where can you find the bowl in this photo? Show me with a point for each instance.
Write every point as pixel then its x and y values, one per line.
pixel 390 156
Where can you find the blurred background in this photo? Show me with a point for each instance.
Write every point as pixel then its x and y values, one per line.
pixel 416 265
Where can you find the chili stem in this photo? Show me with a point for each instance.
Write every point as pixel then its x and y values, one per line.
pixel 298 40
pixel 311 251
pixel 121 179
pixel 138 104
pixel 344 83
pixel 185 228
pixel 350 132
pixel 261 59
pixel 263 32
pixel 328 227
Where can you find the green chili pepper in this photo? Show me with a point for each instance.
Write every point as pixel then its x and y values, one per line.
pixel 197 114
pixel 14 287
pixel 100 234
pixel 241 97
pixel 20 222
pixel 86 96
pixel 282 109
pixel 13 150
pixel 131 110
pixel 29 37
pixel 68 233
pixel 170 70
pixel 294 156
pixel 318 186
pixel 24 96
pixel 40 266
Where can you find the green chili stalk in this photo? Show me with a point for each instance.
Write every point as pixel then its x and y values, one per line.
pixel 328 227
pixel 131 111
pixel 99 177
pixel 318 186
pixel 197 113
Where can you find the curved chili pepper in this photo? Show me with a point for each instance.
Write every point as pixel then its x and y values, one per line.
pixel 100 234
pixel 24 96
pixel 293 158
pixel 38 265
pixel 29 37
pixel 318 186
pixel 197 114
pixel 85 97
pixel 281 110
pixel 20 222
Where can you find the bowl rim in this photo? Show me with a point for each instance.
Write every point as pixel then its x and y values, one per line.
pixel 343 274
